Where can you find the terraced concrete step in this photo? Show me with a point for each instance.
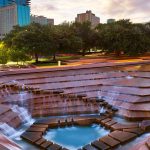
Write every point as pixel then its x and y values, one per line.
pixel 46 144
pixel 100 145
pixel 40 141
pixel 120 126
pixel 122 136
pixel 101 118
pixel 105 121
pixel 89 147
pixel 36 129
pixel 137 131
pixel 16 122
pixel 145 125
pixel 110 123
pixel 31 136
pixel 54 147
pixel 40 126
pixel 109 141
pixel 4 109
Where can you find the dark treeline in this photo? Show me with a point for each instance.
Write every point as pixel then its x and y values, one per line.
pixel 120 37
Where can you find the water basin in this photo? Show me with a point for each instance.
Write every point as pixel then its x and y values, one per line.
pixel 75 137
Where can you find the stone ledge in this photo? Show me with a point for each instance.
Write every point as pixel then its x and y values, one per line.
pixel 40 141
pixel 121 136
pixel 110 123
pixel 100 145
pixel 89 147
pixel 36 129
pixel 119 126
pixel 54 147
pixel 137 131
pixel 46 144
pixel 145 125
pixel 31 137
pixel 109 141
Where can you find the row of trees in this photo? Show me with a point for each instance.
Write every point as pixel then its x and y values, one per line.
pixel 45 40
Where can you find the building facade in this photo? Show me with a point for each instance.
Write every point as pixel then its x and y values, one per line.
pixel 42 20
pixel 111 20
pixel 13 12
pixel 88 16
pixel 4 3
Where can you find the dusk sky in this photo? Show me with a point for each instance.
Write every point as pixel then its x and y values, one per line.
pixel 66 10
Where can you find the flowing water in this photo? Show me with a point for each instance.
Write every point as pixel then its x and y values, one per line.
pixel 6 129
pixel 102 110
pixel 23 114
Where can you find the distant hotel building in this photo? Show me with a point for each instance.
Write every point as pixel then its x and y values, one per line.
pixel 111 20
pixel 88 16
pixel 13 12
pixel 42 20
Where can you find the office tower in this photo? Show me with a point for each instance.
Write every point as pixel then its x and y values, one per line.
pixel 88 16
pixel 13 12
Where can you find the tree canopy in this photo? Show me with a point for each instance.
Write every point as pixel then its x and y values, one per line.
pixel 118 37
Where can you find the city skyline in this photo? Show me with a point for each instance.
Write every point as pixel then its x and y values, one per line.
pixel 66 10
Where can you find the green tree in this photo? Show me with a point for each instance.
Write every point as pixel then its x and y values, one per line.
pixel 61 39
pixel 3 55
pixel 31 39
pixel 17 55
pixel 123 36
pixel 83 31
pixel 8 40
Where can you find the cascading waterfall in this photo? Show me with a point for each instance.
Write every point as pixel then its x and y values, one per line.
pixel 129 77
pixel 102 110
pixel 21 111
pixel 6 129
pixel 23 114
pixel 110 96
pixel 22 96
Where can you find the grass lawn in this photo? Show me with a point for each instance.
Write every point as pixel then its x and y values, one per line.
pixel 45 62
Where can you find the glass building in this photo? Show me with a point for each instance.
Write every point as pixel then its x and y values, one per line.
pixel 10 2
pixel 13 12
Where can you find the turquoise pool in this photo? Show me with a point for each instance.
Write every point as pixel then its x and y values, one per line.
pixel 76 137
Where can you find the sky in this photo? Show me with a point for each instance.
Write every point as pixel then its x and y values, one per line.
pixel 67 10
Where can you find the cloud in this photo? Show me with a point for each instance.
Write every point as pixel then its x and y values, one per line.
pixel 61 10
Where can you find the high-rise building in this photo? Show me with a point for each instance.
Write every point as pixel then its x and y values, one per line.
pixel 42 20
pixel 88 16
pixel 10 2
pixel 50 21
pixel 111 20
pixel 13 12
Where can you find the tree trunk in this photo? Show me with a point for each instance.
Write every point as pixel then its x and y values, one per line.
pixel 83 52
pixel 36 58
pixel 54 57
pixel 117 53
